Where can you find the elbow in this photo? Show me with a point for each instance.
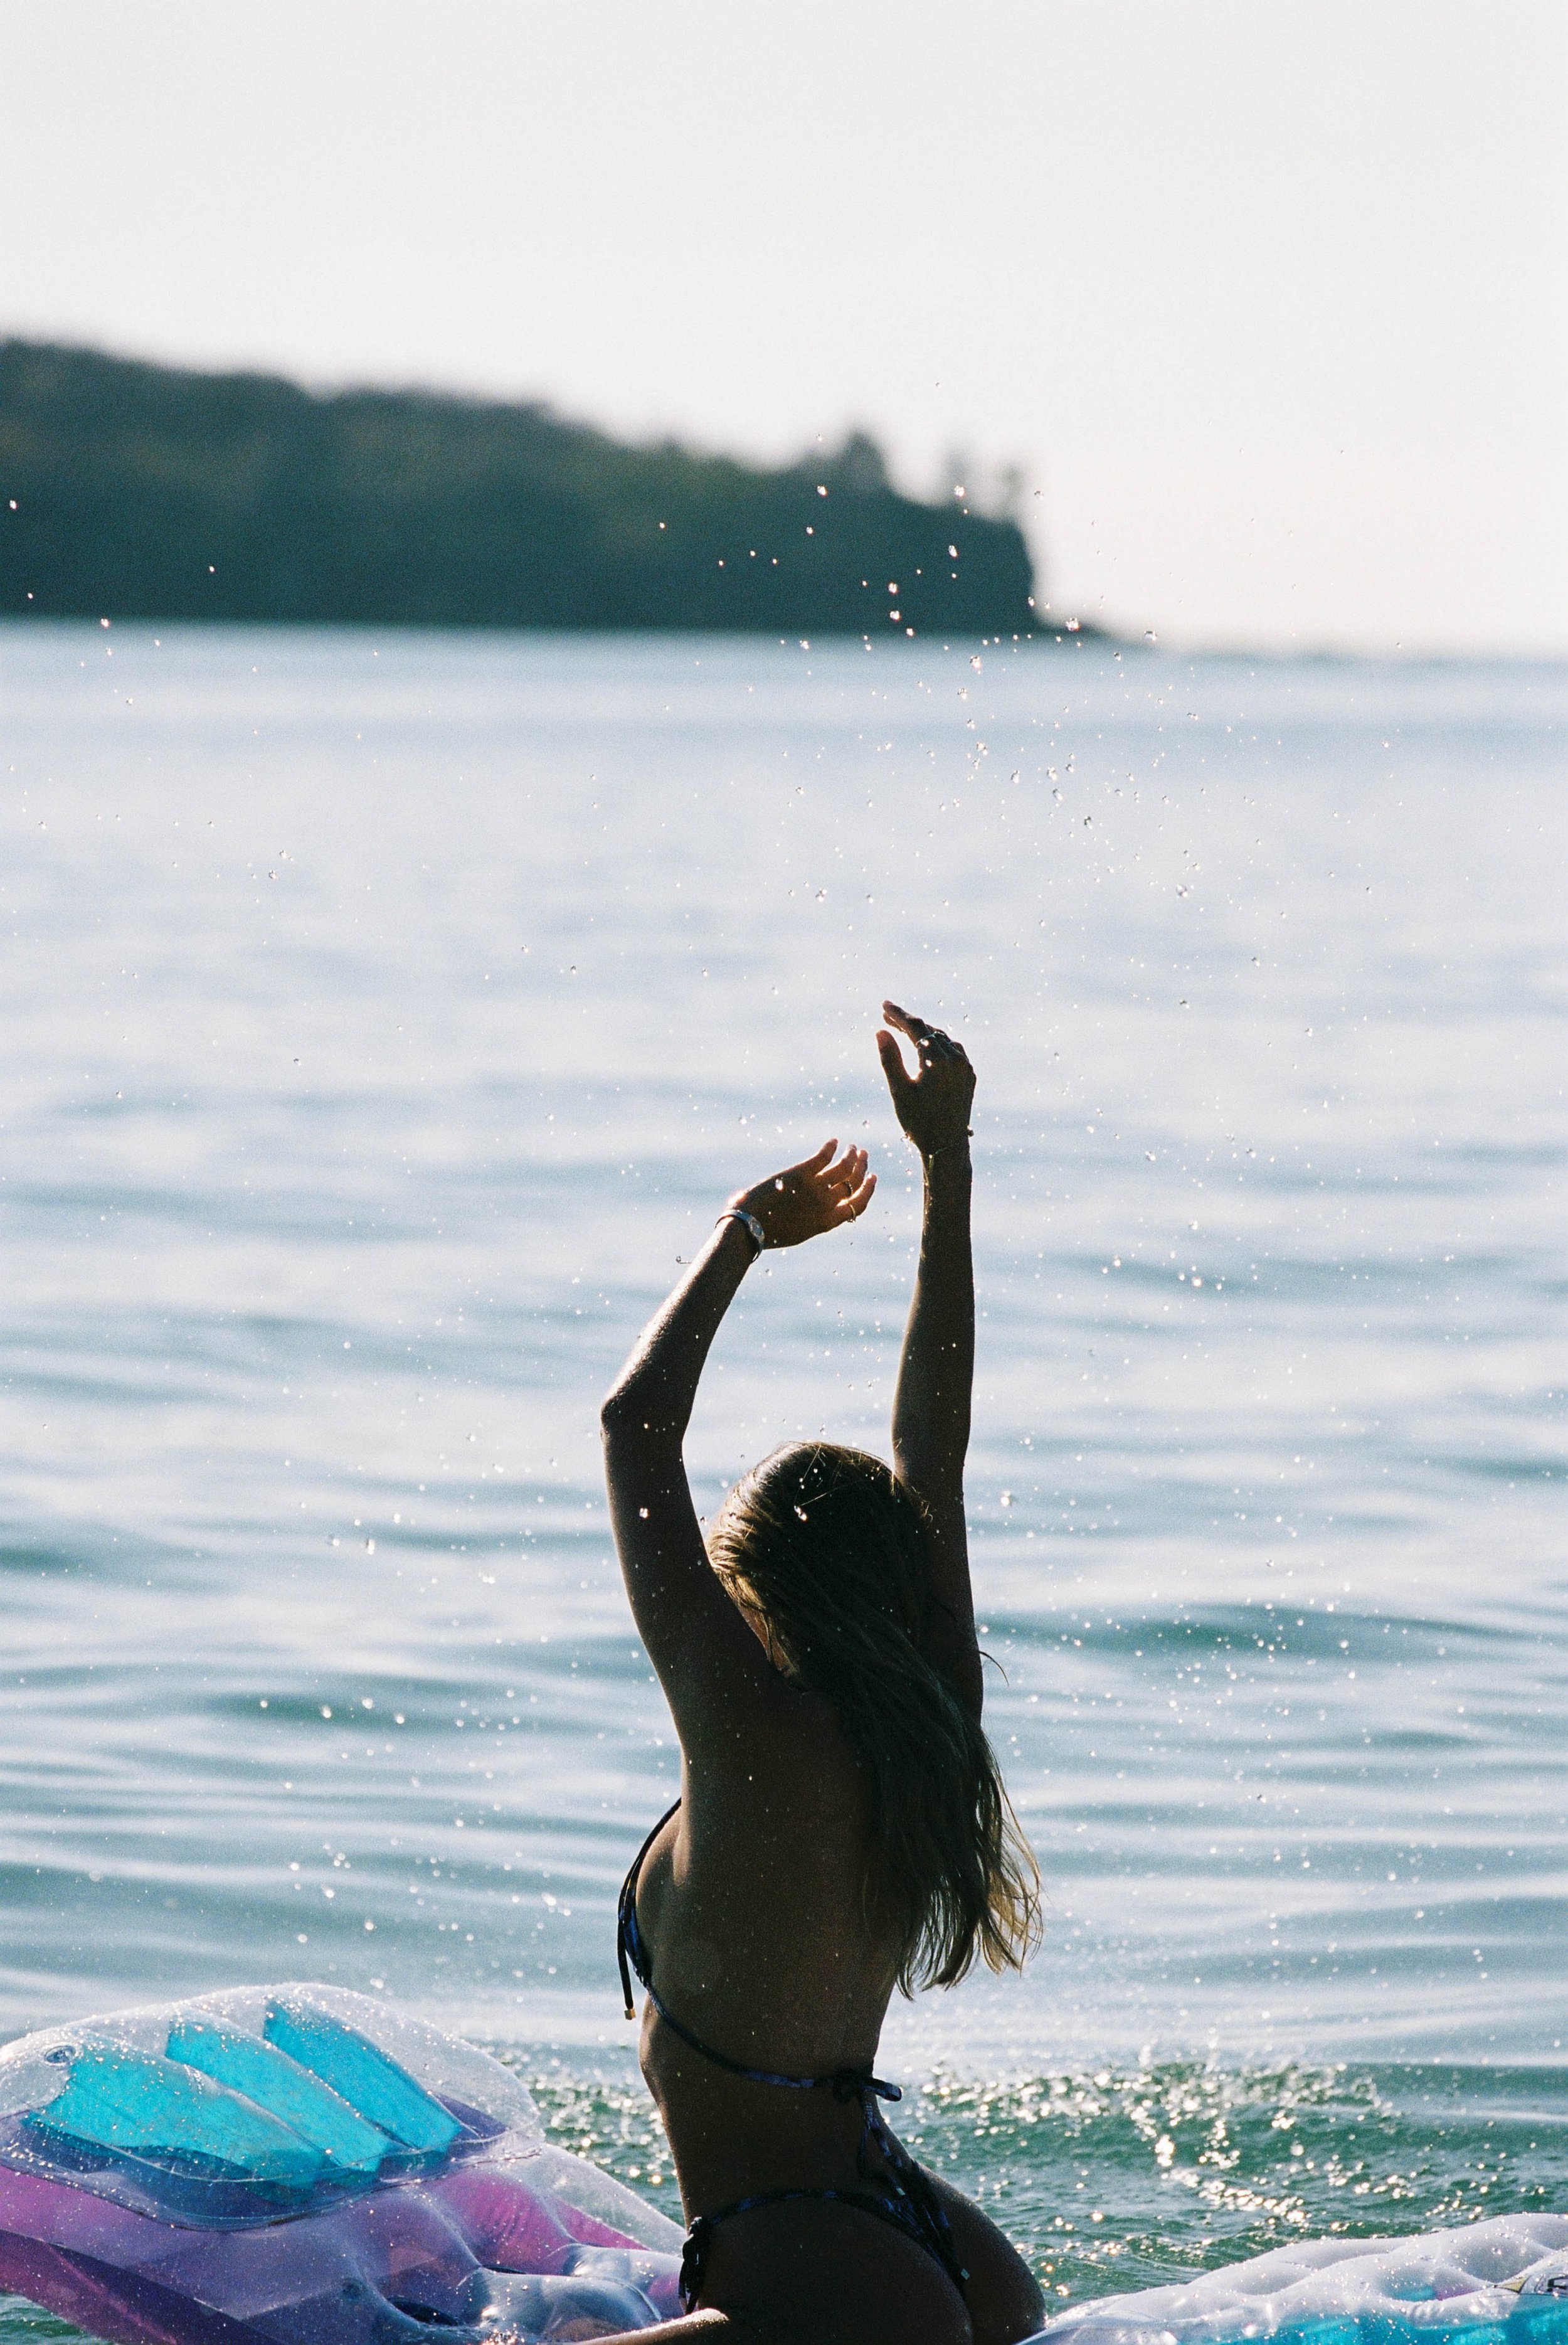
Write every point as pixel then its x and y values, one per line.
pixel 616 1414
pixel 626 1418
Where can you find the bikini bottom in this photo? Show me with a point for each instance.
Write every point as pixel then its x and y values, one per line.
pixel 908 2204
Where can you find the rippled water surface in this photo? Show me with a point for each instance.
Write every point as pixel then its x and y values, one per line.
pixel 383 1018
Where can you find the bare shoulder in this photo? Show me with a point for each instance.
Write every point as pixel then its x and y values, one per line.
pixel 779 1811
pixel 770 1742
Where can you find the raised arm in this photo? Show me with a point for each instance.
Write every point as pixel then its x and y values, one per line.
pixel 936 1371
pixel 695 1637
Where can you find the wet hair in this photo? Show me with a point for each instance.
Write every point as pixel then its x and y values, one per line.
pixel 826 1549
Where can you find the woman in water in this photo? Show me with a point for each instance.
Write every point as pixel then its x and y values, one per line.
pixel 842 1828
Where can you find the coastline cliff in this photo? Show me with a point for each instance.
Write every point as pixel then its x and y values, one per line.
pixel 129 490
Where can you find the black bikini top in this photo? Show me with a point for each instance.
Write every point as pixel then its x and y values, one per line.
pixel 846 2083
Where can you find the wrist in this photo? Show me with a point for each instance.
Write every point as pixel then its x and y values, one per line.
pixel 956 1150
pixel 740 1220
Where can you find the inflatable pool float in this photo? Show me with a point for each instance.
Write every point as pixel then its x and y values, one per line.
pixel 1502 2282
pixel 302 2165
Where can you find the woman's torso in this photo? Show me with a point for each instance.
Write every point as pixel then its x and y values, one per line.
pixel 762 1940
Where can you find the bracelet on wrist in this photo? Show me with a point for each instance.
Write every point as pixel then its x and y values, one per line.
pixel 963 1142
pixel 750 1224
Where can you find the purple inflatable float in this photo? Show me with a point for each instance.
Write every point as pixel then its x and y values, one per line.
pixel 302 2165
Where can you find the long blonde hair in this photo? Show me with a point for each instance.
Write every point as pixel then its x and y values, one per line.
pixel 826 1549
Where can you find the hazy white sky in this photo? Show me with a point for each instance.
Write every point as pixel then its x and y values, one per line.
pixel 1269 301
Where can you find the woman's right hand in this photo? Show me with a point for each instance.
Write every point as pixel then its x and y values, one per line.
pixel 933 1105
pixel 805 1200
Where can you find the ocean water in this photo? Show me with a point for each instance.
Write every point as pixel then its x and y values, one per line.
pixel 385 1016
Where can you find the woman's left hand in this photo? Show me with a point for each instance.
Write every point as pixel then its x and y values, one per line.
pixel 805 1200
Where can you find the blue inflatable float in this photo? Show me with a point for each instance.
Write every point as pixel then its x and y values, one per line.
pixel 302 2165
pixel 305 2167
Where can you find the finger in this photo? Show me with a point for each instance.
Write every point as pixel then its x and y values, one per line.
pixel 850 1208
pixel 899 1080
pixel 809 1164
pixel 848 1169
pixel 920 1030
pixel 904 1019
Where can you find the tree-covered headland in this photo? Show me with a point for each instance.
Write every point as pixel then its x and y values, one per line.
pixel 135 491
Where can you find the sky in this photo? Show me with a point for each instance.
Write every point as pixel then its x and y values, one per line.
pixel 1266 303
